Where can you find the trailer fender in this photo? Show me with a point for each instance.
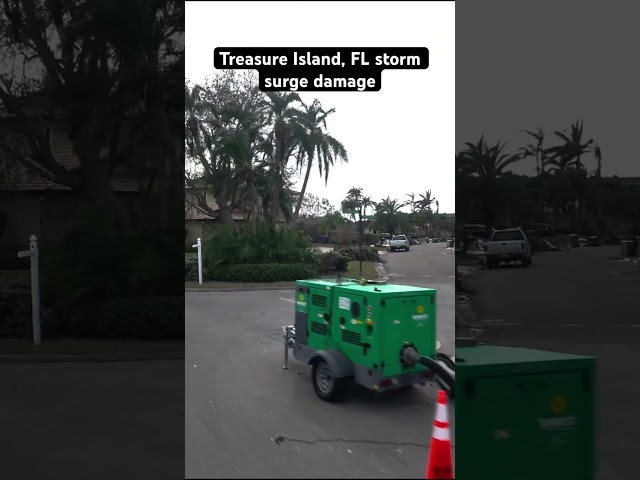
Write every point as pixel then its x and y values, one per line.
pixel 337 361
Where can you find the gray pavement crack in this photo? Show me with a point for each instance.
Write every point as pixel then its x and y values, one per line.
pixel 280 439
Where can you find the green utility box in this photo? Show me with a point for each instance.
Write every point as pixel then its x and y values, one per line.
pixel 524 414
pixel 370 323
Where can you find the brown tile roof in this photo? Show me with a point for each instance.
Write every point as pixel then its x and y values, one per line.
pixel 17 177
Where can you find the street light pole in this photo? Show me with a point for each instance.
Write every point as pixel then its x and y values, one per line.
pixel 361 240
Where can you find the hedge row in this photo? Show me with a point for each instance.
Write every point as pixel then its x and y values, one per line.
pixel 141 318
pixel 262 272
pixel 150 318
pixel 269 272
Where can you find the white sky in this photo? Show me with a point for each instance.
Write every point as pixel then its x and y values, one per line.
pixel 401 139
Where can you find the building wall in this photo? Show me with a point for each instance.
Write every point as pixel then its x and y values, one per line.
pixel 198 229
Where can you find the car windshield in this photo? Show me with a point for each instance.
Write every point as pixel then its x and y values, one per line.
pixel 507 235
pixel 399 237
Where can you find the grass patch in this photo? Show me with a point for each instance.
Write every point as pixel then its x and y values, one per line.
pixel 368 269
pixel 191 255
pixel 81 347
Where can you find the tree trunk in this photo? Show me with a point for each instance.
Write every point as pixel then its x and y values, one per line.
pixel 226 218
pixel 275 194
pixel 97 189
pixel 296 214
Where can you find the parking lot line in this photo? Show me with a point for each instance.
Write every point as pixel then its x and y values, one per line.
pixel 287 300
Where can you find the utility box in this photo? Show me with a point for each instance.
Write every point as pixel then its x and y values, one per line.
pixel 524 414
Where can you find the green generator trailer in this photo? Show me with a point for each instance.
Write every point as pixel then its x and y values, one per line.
pixel 378 335
pixel 524 414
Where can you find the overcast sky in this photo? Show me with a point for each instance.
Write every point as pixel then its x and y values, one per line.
pixel 399 140
pixel 546 64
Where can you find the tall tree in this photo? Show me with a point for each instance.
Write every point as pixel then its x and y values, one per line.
pixel 387 216
pixel 488 162
pixel 597 152
pixel 358 203
pixel 426 201
pixel 94 68
pixel 286 136
pixel 317 145
pixel 535 150
pixel 412 201
pixel 570 152
pixel 488 165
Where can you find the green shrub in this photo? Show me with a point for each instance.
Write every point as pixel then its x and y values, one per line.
pixel 370 239
pixel 9 256
pixel 269 272
pixel 330 261
pixel 191 271
pixel 97 259
pixel 341 263
pixel 143 318
pixel 235 246
pixel 126 318
pixel 15 313
pixel 369 254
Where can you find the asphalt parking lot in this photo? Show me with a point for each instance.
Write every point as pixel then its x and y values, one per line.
pixel 247 417
pixel 582 301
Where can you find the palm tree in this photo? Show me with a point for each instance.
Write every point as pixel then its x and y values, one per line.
pixel 318 145
pixel 387 214
pixel 357 202
pixel 426 201
pixel 286 134
pixel 535 150
pixel 570 152
pixel 597 152
pixel 412 201
pixel 487 162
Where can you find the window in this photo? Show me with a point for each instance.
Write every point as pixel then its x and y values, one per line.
pixel 508 235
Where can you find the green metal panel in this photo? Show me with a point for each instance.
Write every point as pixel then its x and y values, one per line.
pixel 349 326
pixel 407 319
pixel 319 336
pixel 524 414
pixel 370 324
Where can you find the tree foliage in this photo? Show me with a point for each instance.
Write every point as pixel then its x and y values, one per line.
pixel 243 147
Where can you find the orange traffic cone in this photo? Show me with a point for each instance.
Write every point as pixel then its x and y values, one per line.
pixel 440 464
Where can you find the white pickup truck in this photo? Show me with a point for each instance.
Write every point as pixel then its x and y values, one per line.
pixel 508 245
pixel 398 242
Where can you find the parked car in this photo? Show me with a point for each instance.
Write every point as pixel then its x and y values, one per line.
pixel 508 245
pixel 384 238
pixel 398 242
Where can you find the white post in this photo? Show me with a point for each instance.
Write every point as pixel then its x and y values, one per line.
pixel 198 245
pixel 32 253
pixel 35 288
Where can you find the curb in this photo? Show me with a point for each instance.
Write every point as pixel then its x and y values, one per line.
pixel 62 358
pixel 237 289
pixel 380 269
